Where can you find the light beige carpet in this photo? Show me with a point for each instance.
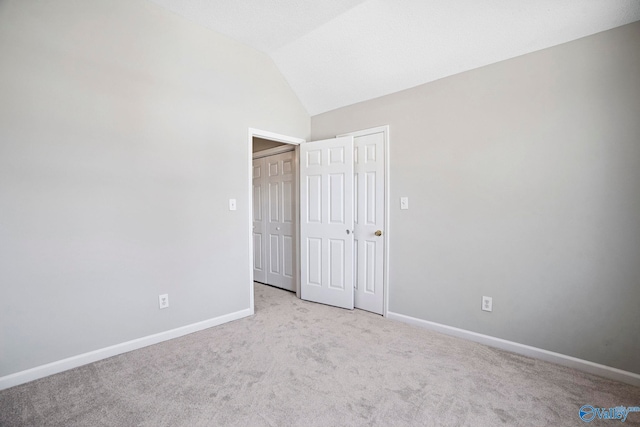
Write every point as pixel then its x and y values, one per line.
pixel 296 363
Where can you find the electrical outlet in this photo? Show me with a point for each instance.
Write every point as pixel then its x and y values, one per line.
pixel 404 203
pixel 487 304
pixel 163 300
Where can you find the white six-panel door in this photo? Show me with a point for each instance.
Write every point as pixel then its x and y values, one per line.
pixel 280 220
pixel 259 239
pixel 326 221
pixel 369 214
pixel 274 216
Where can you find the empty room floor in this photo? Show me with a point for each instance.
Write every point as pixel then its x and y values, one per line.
pixel 296 363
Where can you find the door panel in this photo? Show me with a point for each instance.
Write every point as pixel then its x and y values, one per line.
pixel 274 215
pixel 336 198
pixel 314 199
pixel 287 202
pixel 370 267
pixel 369 218
pixel 281 221
pixel 288 260
pixel 313 262
pixel 274 254
pixel 274 201
pixel 259 242
pixel 336 264
pixel 326 228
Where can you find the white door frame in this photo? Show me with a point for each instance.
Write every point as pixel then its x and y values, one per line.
pixel 285 140
pixel 387 199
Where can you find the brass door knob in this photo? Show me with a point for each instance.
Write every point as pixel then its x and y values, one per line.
pixel 379 233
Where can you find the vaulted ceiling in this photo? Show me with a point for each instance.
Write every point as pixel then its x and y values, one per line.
pixel 338 52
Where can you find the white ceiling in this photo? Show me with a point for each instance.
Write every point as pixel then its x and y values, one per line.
pixel 338 52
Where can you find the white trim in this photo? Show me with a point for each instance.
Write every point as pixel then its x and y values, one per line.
pixel 525 350
pixel 278 138
pixel 273 151
pixel 387 203
pixel 296 165
pixel 114 350
pixel 387 215
pixel 275 137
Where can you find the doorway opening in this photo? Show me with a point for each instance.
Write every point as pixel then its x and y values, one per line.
pixel 274 214
pixel 270 143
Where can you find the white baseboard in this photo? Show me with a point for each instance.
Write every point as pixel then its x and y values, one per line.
pixel 103 353
pixel 525 350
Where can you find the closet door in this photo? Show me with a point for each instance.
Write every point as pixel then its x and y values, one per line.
pixel 326 221
pixel 369 221
pixel 259 240
pixel 280 214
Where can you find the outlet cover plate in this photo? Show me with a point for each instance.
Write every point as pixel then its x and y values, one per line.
pixel 163 300
pixel 487 303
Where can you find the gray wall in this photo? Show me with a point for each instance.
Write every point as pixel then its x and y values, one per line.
pixel 524 185
pixel 123 133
